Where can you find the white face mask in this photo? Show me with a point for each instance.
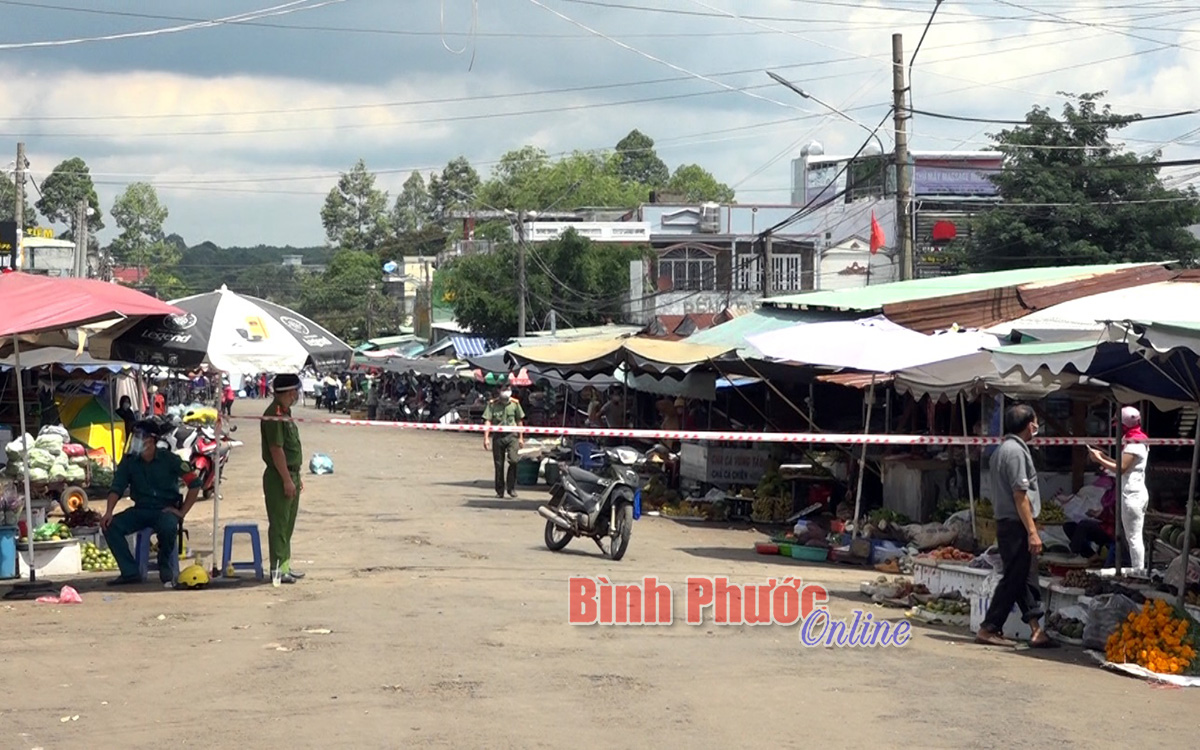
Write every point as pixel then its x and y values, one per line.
pixel 505 394
pixel 136 445
pixel 1034 431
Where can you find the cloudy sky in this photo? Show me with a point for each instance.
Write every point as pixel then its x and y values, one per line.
pixel 244 125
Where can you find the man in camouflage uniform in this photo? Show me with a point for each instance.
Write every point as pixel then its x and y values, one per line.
pixel 504 411
pixel 284 457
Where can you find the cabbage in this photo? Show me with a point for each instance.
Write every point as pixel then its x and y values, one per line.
pixel 38 475
pixel 76 474
pixel 58 473
pixel 51 443
pixel 40 459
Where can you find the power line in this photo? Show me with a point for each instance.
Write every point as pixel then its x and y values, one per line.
pixel 1126 120
pixel 283 9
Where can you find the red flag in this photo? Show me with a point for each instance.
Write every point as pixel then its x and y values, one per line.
pixel 877 238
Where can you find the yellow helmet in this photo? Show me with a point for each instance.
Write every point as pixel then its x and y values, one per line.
pixel 193 577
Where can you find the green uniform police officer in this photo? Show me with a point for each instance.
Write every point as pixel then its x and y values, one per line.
pixel 152 475
pixel 504 411
pixel 282 454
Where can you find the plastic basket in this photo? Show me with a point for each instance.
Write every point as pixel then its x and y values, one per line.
pixel 785 549
pixel 812 554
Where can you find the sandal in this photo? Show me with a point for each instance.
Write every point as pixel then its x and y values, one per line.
pixel 988 638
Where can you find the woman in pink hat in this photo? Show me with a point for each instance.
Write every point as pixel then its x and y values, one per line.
pixel 1134 496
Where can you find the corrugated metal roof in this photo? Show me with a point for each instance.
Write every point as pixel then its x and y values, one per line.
pixel 734 333
pixel 875 298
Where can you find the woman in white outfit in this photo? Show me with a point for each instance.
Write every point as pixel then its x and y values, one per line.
pixel 1134 496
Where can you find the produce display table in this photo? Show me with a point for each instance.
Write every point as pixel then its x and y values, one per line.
pixel 976 584
pixel 61 558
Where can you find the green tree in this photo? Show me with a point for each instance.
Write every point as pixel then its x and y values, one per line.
pixel 455 189
pixel 526 180
pixel 413 209
pixel 1071 196
pixel 638 163
pixel 348 298
pixel 355 214
pixel 585 283
pixel 8 200
pixel 66 185
pixel 140 218
pixel 695 184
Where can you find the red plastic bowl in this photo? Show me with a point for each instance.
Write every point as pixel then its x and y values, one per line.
pixel 763 548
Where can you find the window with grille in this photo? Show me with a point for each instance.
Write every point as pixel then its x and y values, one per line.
pixel 689 269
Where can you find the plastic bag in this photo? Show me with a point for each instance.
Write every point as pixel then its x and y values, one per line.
pixel 76 474
pixel 55 429
pixel 1104 616
pixel 320 464
pixel 1175 572
pixel 1074 612
pixel 14 469
pixel 15 450
pixel 58 473
pixel 38 475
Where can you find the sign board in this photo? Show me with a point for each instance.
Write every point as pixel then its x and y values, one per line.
pixel 8 237
pixel 720 465
pixel 596 231
pixel 943 177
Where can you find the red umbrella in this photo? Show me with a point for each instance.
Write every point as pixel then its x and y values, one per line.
pixel 54 305
pixel 38 304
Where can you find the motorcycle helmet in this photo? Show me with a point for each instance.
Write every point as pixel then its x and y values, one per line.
pixel 193 577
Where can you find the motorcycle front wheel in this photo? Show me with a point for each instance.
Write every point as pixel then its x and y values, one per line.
pixel 556 538
pixel 619 543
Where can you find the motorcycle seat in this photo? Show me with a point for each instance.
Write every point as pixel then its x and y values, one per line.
pixel 583 476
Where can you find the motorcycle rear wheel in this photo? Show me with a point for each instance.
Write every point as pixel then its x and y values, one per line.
pixel 619 543
pixel 556 538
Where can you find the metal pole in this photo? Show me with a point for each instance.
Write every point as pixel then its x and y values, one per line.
pixel 1187 522
pixel 1120 501
pixel 19 208
pixel 18 373
pixel 900 118
pixel 112 417
pixel 521 275
pixel 217 488
pixel 769 267
pixel 967 456
pixel 862 468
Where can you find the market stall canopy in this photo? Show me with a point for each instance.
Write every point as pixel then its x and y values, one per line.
pixel 43 310
pixel 870 345
pixel 972 375
pixel 1134 371
pixel 232 332
pixel 68 360
pixel 640 355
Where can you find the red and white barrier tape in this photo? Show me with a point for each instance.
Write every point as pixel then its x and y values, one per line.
pixel 810 438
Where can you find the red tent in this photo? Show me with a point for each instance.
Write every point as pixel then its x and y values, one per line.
pixel 35 305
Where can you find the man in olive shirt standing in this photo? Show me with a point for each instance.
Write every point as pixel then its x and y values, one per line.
pixel 284 457
pixel 1013 489
pixel 504 411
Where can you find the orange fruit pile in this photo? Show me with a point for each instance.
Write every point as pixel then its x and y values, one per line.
pixel 1156 638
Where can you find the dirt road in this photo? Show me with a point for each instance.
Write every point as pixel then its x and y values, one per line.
pixel 447 628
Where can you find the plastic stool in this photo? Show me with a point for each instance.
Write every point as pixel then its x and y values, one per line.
pixel 143 555
pixel 250 530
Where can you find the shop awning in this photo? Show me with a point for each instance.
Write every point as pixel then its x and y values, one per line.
pixel 869 345
pixel 640 355
pixel 64 359
pixel 469 346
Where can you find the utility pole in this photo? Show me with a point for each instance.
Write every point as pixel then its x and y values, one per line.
pixel 19 210
pixel 900 115
pixel 768 267
pixel 521 274
pixel 81 239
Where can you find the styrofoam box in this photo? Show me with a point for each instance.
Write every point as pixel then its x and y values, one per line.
pixel 65 560
pixel 1014 627
pixel 948 577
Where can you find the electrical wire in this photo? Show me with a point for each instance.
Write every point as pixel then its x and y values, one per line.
pixel 1126 120
pixel 283 9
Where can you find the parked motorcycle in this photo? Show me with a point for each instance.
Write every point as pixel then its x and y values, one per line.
pixel 199 446
pixel 585 504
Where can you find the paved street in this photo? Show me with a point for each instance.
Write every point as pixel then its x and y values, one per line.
pixel 447 620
